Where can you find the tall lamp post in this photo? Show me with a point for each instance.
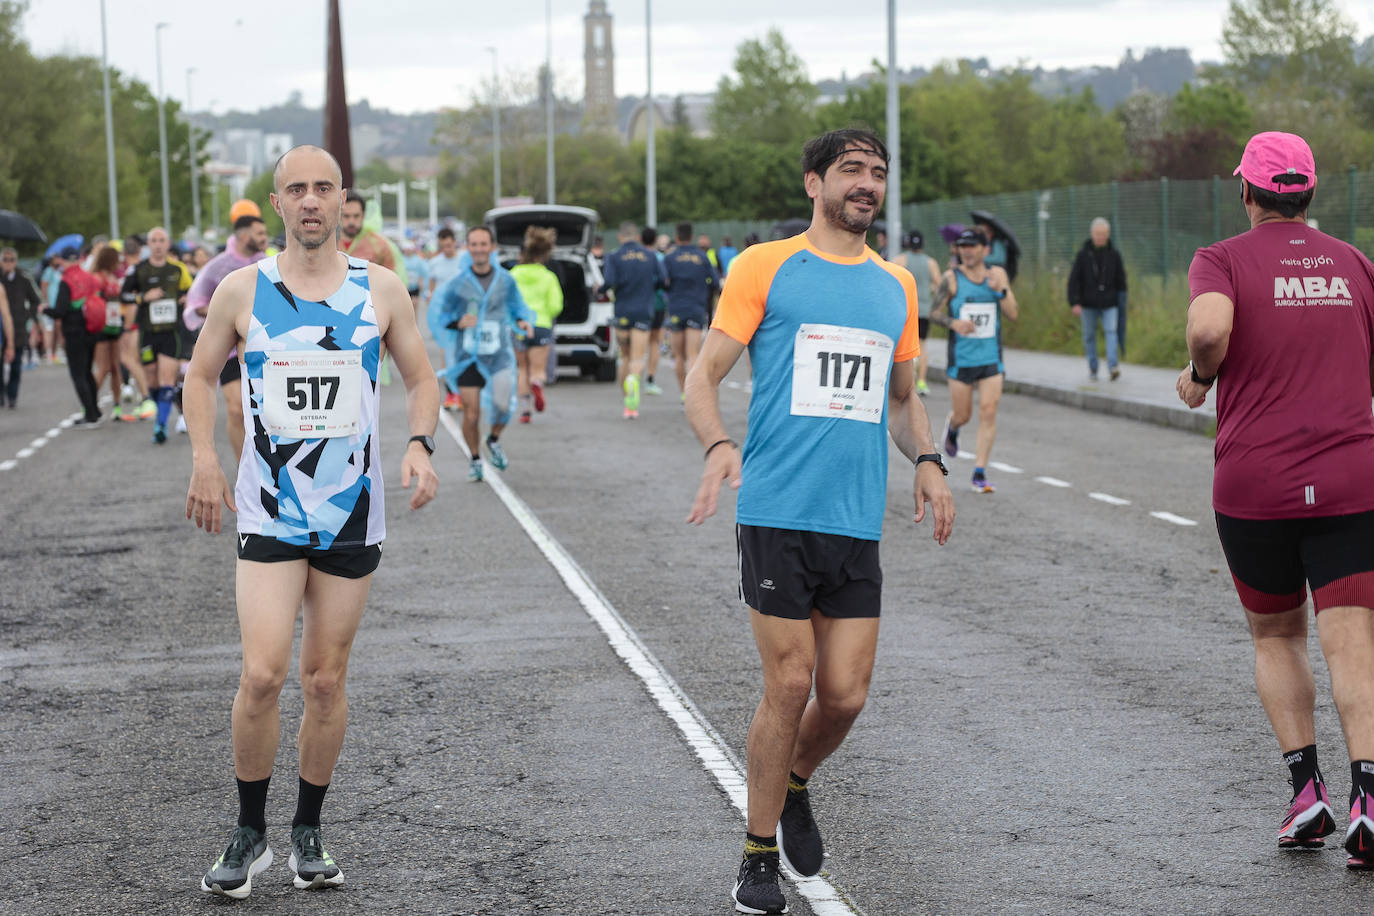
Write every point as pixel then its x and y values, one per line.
pixel 109 128
pixel 651 167
pixel 195 166
pixel 162 130
pixel 548 96
pixel 894 141
pixel 495 131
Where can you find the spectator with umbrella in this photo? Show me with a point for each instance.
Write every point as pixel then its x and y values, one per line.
pixel 1004 250
pixel 22 296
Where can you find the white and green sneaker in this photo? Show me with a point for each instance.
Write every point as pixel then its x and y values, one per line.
pixel 232 874
pixel 475 470
pixel 651 387
pixel 313 865
pixel 498 454
pixel 632 392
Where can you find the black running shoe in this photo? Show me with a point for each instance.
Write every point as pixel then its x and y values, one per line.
pixel 232 874
pixel 756 888
pixel 799 840
pixel 314 867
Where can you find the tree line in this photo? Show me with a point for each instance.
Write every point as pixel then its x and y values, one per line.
pixel 964 131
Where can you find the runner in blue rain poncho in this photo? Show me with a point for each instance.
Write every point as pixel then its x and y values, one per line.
pixel 472 317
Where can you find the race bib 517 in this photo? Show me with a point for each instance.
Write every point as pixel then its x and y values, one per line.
pixel 312 394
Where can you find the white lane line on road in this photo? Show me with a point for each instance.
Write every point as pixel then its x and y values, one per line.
pixel 967 456
pixel 1054 482
pixel 1175 519
pixel 1007 468
pixel 7 464
pixel 715 755
pixel 38 443
pixel 23 453
pixel 1109 499
pixel 54 432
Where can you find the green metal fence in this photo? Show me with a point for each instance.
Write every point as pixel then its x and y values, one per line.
pixel 1157 225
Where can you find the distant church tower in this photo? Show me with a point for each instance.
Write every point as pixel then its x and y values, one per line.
pixel 599 105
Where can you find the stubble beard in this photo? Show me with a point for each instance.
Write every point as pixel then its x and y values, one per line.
pixel 836 215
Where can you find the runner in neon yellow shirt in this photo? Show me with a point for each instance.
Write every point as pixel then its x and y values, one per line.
pixel 542 292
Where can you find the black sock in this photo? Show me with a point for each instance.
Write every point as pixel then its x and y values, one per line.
pixel 491 438
pixel 253 803
pixel 649 378
pixel 753 845
pixel 795 783
pixel 1361 777
pixel 308 804
pixel 1303 765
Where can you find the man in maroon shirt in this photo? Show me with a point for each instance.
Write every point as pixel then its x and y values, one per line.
pixel 1282 321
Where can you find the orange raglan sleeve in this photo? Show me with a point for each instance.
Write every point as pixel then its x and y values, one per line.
pixel 745 293
pixel 909 344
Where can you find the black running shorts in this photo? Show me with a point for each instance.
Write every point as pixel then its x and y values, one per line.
pixel 787 573
pixel 472 377
pixel 659 316
pixel 633 322
pixel 345 562
pixel 1274 561
pixel 231 372
pixel 972 375
pixel 923 327
pixel 160 343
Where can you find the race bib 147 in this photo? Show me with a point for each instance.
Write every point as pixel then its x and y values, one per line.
pixel 840 372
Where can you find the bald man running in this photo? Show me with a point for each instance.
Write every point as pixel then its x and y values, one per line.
pixel 309 325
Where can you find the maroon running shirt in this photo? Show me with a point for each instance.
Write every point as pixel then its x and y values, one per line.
pixel 1295 431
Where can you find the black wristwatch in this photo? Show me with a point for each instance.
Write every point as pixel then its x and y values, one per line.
pixel 426 441
pixel 935 457
pixel 1197 379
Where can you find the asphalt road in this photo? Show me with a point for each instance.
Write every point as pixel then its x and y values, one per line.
pixel 1062 717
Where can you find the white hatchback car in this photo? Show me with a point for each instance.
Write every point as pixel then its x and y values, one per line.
pixel 582 333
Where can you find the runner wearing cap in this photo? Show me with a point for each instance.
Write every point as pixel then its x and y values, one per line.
pixel 831 332
pixel 1282 322
pixel 970 301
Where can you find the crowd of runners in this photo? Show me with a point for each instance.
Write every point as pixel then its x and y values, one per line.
pixel 297 338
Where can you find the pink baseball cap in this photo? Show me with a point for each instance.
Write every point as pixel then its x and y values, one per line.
pixel 1278 162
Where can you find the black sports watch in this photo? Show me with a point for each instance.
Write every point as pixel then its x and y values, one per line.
pixel 1197 379
pixel 935 457
pixel 426 441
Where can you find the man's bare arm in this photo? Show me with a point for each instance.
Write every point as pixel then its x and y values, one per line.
pixel 719 353
pixel 406 346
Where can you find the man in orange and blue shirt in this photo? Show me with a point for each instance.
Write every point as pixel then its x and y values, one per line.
pixel 832 335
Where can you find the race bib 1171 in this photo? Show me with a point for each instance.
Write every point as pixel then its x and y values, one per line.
pixel 840 372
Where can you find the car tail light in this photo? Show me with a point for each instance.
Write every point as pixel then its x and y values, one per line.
pixel 603 334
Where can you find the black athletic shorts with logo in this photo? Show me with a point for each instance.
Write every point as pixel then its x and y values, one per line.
pixel 633 322
pixel 1273 561
pixel 345 562
pixel 160 343
pixel 788 573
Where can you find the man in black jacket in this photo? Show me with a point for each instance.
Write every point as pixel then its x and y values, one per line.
pixel 1096 282
pixel 22 296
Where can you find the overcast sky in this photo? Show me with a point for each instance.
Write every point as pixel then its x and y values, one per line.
pixel 412 55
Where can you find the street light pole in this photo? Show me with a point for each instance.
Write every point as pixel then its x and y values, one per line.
pixel 195 166
pixel 548 96
pixel 162 131
pixel 495 131
pixel 651 168
pixel 109 128
pixel 894 141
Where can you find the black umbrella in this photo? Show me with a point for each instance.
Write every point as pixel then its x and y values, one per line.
pixel 1002 229
pixel 19 228
pixel 787 228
